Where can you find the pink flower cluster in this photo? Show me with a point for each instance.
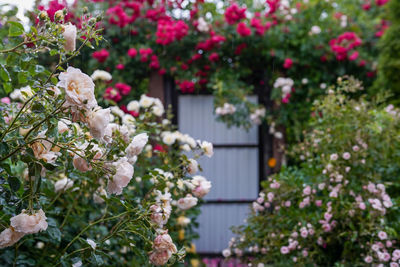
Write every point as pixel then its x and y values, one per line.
pixel 118 14
pixel 115 94
pixel 168 31
pixel 101 55
pixel 234 14
pixel 344 44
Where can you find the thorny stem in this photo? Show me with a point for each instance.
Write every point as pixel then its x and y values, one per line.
pixel 16 117
pixel 17 46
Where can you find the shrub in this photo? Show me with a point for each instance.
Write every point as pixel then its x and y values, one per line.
pixel 340 207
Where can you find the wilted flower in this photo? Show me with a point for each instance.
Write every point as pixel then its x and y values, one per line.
pixel 187 202
pixel 29 224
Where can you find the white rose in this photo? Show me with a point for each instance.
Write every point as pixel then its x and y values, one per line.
pixel 101 75
pixel 137 145
pixel 129 120
pixel 63 184
pixel 207 148
pixel 133 106
pixel 187 202
pixel 121 178
pixel 192 167
pixel 146 101
pixel 169 138
pixel 202 25
pixel 158 111
pixel 70 37
pixel 117 111
pixel 202 186
pixel 226 253
pixel 98 121
pixel 315 29
pixel 29 224
pixel 79 88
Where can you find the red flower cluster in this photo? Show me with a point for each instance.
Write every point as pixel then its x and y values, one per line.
pixel 123 88
pixel 115 94
pixel 260 29
pixel 154 63
pixel 234 13
pixel 133 113
pixel 239 48
pixel 118 16
pixel 243 30
pixel 213 57
pixel 101 55
pixel 145 53
pixel 343 44
pixel 112 94
pixel 186 86
pixel 211 43
pixel 382 28
pixel 273 6
pixel 169 31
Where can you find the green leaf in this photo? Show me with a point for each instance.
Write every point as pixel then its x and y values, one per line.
pixel 37 108
pixel 16 29
pixel 4 74
pixel 55 234
pixel 14 183
pixel 98 259
pixel 22 77
pixel 7 88
pixel 39 68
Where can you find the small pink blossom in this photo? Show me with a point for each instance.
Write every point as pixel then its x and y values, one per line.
pixel 284 250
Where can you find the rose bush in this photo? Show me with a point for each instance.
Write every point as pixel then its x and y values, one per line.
pixel 235 49
pixel 84 184
pixel 340 207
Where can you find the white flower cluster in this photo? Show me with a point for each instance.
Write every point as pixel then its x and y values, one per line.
pixel 257 115
pixel 145 102
pixel 226 109
pixel 202 25
pixel 285 84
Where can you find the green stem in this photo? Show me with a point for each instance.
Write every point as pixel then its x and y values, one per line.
pixel 15 119
pixel 16 47
pixel 90 225
pixel 58 109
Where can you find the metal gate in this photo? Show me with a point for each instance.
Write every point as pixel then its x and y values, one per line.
pixel 234 170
